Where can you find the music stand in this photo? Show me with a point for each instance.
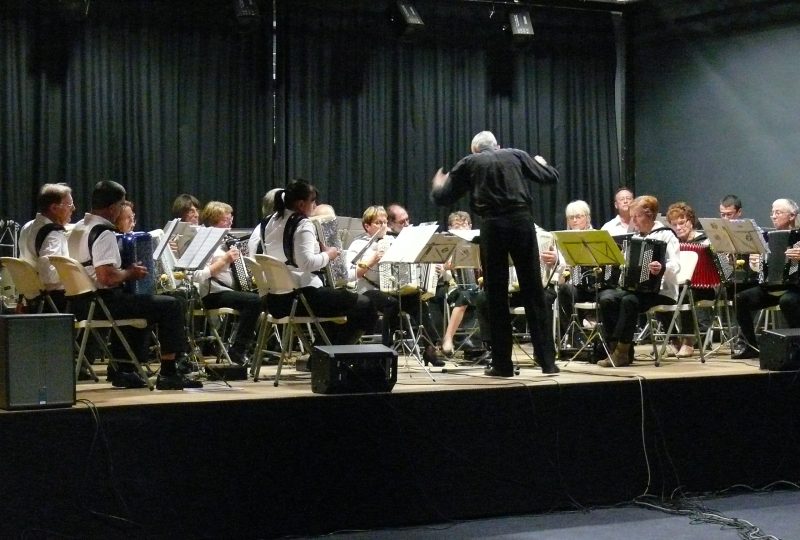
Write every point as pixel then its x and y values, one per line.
pixel 738 237
pixel 419 245
pixel 595 249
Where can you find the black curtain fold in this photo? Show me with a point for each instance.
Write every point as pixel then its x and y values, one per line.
pixel 181 100
pixel 369 117
pixel 162 110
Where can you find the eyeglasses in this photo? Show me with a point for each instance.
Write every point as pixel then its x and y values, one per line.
pixel 71 206
pixel 576 216
pixel 727 214
pixel 779 213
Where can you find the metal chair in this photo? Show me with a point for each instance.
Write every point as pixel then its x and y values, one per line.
pixel 685 302
pixel 274 277
pixel 77 283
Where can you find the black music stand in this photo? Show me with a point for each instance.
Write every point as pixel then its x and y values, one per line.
pixel 738 237
pixel 418 245
pixel 595 249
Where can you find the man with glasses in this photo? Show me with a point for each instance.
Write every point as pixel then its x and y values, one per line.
pixel 398 219
pixel 784 217
pixel 621 224
pixel 45 235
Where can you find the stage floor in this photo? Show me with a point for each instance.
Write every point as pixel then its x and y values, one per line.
pixel 413 378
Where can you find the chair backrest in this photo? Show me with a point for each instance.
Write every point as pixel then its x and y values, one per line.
pixel 688 261
pixel 73 275
pixel 257 272
pixel 278 277
pixel 25 277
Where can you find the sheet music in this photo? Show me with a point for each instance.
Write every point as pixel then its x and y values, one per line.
pixel 421 244
pixel 741 236
pixel 588 248
pixel 169 230
pixel 205 241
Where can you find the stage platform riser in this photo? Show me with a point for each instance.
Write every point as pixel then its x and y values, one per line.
pixel 265 468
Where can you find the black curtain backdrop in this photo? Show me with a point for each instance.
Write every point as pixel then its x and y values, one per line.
pixel 171 97
pixel 161 103
pixel 369 117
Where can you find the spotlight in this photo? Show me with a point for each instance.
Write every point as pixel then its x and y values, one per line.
pixel 246 12
pixel 521 26
pixel 405 17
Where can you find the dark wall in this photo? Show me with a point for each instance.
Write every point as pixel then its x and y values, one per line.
pixel 718 114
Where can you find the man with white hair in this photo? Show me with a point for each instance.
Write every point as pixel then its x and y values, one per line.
pixel 497 180
pixel 784 217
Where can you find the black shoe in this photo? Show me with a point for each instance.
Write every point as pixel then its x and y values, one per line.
pixel 429 357
pixel 184 366
pixel 492 371
pixel 747 352
pixel 127 379
pixel 550 370
pixel 176 382
pixel 237 354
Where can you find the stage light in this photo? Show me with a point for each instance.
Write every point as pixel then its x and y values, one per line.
pixel 247 13
pixel 405 17
pixel 521 26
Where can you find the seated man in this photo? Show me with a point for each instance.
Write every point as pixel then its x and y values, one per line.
pixel 45 236
pixel 784 217
pixel 93 242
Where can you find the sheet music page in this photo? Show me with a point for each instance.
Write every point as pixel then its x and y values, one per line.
pixel 439 248
pixel 408 245
pixel 719 234
pixel 747 237
pixel 468 235
pixel 169 230
pixel 205 241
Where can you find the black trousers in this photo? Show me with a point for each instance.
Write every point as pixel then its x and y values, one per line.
pixel 163 311
pixel 248 304
pixel 620 309
pixel 328 302
pixel 514 235
pixel 757 298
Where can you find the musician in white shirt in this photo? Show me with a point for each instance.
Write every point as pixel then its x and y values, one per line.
pixel 300 249
pixel 620 308
pixel 44 236
pixel 621 223
pixel 784 216
pixel 219 288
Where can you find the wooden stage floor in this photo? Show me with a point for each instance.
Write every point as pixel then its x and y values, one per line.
pixel 413 378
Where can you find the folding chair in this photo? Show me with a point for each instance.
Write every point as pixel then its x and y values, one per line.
pixel 275 278
pixel 214 318
pixel 688 261
pixel 78 283
pixel 27 282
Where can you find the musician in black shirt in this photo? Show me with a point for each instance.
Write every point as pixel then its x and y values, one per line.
pixel 497 180
pixel 784 216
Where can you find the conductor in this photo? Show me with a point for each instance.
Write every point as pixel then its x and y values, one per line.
pixel 496 180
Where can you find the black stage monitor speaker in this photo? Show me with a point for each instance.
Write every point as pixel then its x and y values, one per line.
pixel 351 369
pixel 405 18
pixel 779 350
pixel 36 366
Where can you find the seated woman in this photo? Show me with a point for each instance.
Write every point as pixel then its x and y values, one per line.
pixel 291 237
pixel 620 308
pixel 681 218
pixel 374 220
pixel 579 285
pixel 218 287
pixel 462 296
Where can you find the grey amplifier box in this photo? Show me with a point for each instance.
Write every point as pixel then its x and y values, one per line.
pixel 36 365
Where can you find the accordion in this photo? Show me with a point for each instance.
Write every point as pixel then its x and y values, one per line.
pixel 712 268
pixel 639 253
pixel 328 233
pixel 779 270
pixel 585 277
pixel 137 247
pixel 242 278
pixel 408 278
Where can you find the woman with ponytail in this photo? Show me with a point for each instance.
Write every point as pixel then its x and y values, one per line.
pixel 290 236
